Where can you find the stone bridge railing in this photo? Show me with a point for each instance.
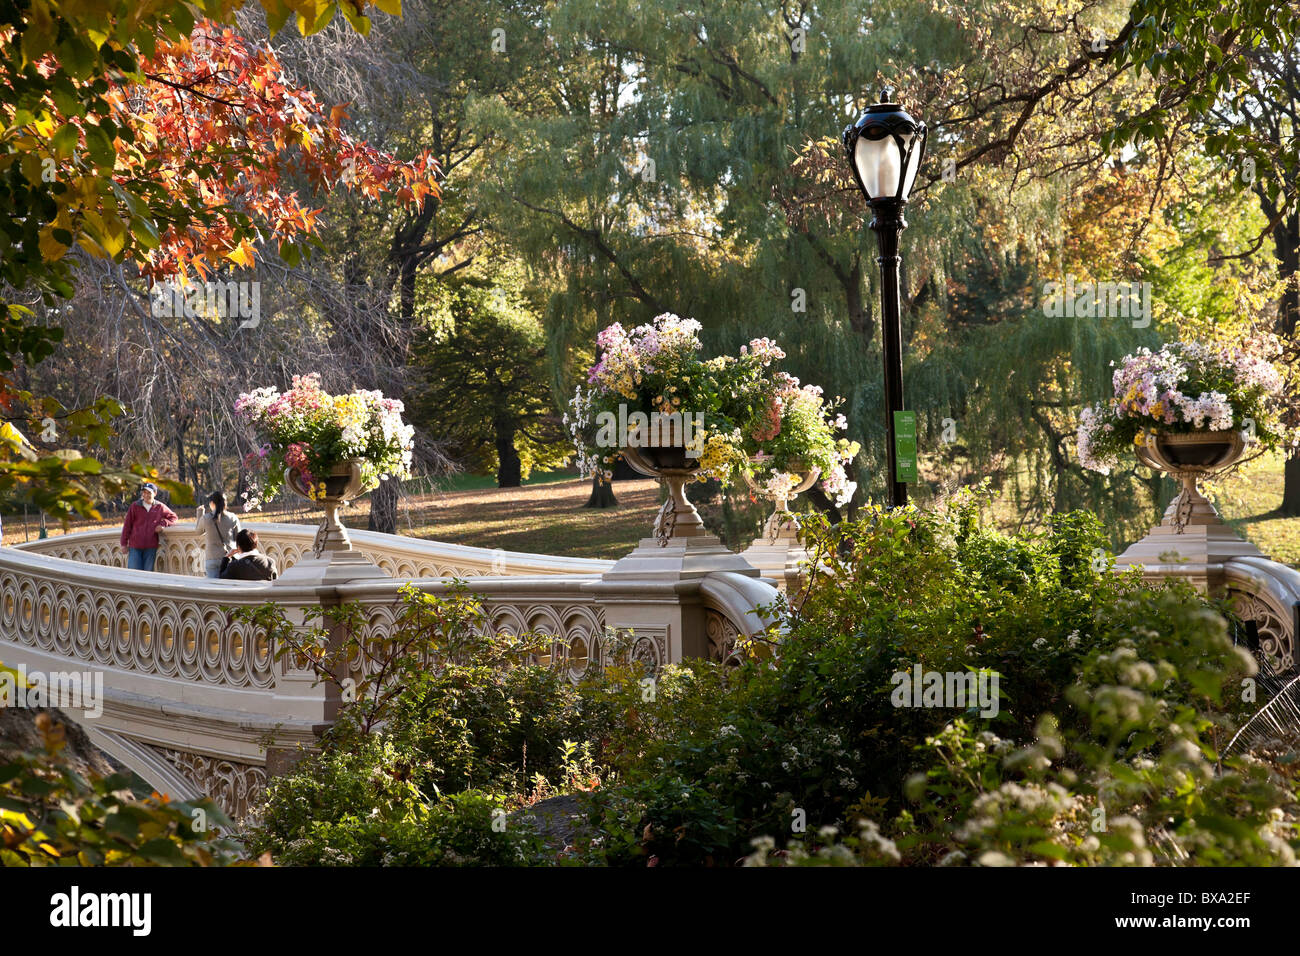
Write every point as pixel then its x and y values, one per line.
pixel 181 552
pixel 196 703
pixel 1204 551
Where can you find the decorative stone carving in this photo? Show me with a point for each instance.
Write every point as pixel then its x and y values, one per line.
pixel 723 637
pixel 1274 626
pixel 191 639
pixel 237 788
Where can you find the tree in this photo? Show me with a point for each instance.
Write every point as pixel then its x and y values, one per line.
pixel 699 170
pixel 485 389
pixel 88 89
pixel 1270 108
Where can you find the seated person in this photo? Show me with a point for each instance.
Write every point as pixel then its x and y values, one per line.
pixel 249 564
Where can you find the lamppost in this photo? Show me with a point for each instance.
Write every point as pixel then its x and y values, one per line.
pixel 885 148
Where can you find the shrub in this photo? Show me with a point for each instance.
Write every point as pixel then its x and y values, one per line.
pixel 51 816
pixel 465 829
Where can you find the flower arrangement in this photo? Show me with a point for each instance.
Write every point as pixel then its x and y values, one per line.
pixel 735 407
pixel 312 431
pixel 1185 387
pixel 792 432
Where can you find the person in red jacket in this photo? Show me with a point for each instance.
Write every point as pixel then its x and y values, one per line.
pixel 140 531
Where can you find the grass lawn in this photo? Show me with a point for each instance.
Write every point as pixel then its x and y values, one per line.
pixel 1246 499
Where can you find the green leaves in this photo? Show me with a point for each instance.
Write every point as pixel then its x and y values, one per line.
pixel 51 816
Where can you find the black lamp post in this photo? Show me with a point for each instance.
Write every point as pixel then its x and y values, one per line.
pixel 885 149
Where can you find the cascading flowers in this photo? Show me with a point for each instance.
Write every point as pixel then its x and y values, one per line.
pixel 310 430
pixel 1185 387
pixel 794 430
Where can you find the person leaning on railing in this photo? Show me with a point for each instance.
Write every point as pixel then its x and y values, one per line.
pixel 250 564
pixel 144 519
pixel 218 527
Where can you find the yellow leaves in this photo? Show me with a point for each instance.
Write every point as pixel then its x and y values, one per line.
pixel 243 254
pixel 33 168
pixel 39 36
pixel 15 820
pixel 45 126
pixel 313 15
pixel 105 236
pixel 391 7
pixel 14 443
pixel 51 249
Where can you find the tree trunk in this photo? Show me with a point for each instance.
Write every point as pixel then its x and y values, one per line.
pixel 1286 238
pixel 858 306
pixel 383 507
pixel 1291 488
pixel 602 494
pixel 180 452
pixel 509 468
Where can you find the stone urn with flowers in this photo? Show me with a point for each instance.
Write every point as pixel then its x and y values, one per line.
pixel 331 450
pixel 1193 411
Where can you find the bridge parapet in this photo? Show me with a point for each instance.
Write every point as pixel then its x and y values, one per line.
pixel 192 698
pixel 181 552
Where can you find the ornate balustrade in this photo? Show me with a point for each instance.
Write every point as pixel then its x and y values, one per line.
pixel 181 552
pixel 1193 543
pixel 192 697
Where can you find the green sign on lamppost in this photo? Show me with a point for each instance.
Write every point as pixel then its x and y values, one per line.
pixel 904 446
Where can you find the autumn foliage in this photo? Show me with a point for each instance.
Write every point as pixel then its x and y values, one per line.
pixel 232 145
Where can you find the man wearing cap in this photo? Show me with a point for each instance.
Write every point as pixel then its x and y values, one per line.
pixel 144 519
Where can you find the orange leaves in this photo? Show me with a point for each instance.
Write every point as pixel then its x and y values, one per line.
pixel 220 128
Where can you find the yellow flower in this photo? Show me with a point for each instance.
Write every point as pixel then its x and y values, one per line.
pixel 1139 440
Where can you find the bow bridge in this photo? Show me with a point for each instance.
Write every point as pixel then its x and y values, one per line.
pixel 197 704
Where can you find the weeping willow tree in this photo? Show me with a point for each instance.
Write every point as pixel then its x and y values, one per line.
pixel 696 170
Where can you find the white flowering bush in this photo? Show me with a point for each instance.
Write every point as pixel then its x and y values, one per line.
pixel 1185 387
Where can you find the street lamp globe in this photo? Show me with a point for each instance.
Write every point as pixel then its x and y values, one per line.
pixel 885 148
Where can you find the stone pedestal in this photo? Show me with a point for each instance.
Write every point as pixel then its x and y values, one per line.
pixel 682 557
pixel 331 568
pixel 655 594
pixel 1191 537
pixel 777 552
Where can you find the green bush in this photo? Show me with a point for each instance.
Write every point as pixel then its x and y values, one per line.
pixel 466 829
pixel 466 723
pixel 1129 777
pixel 1115 699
